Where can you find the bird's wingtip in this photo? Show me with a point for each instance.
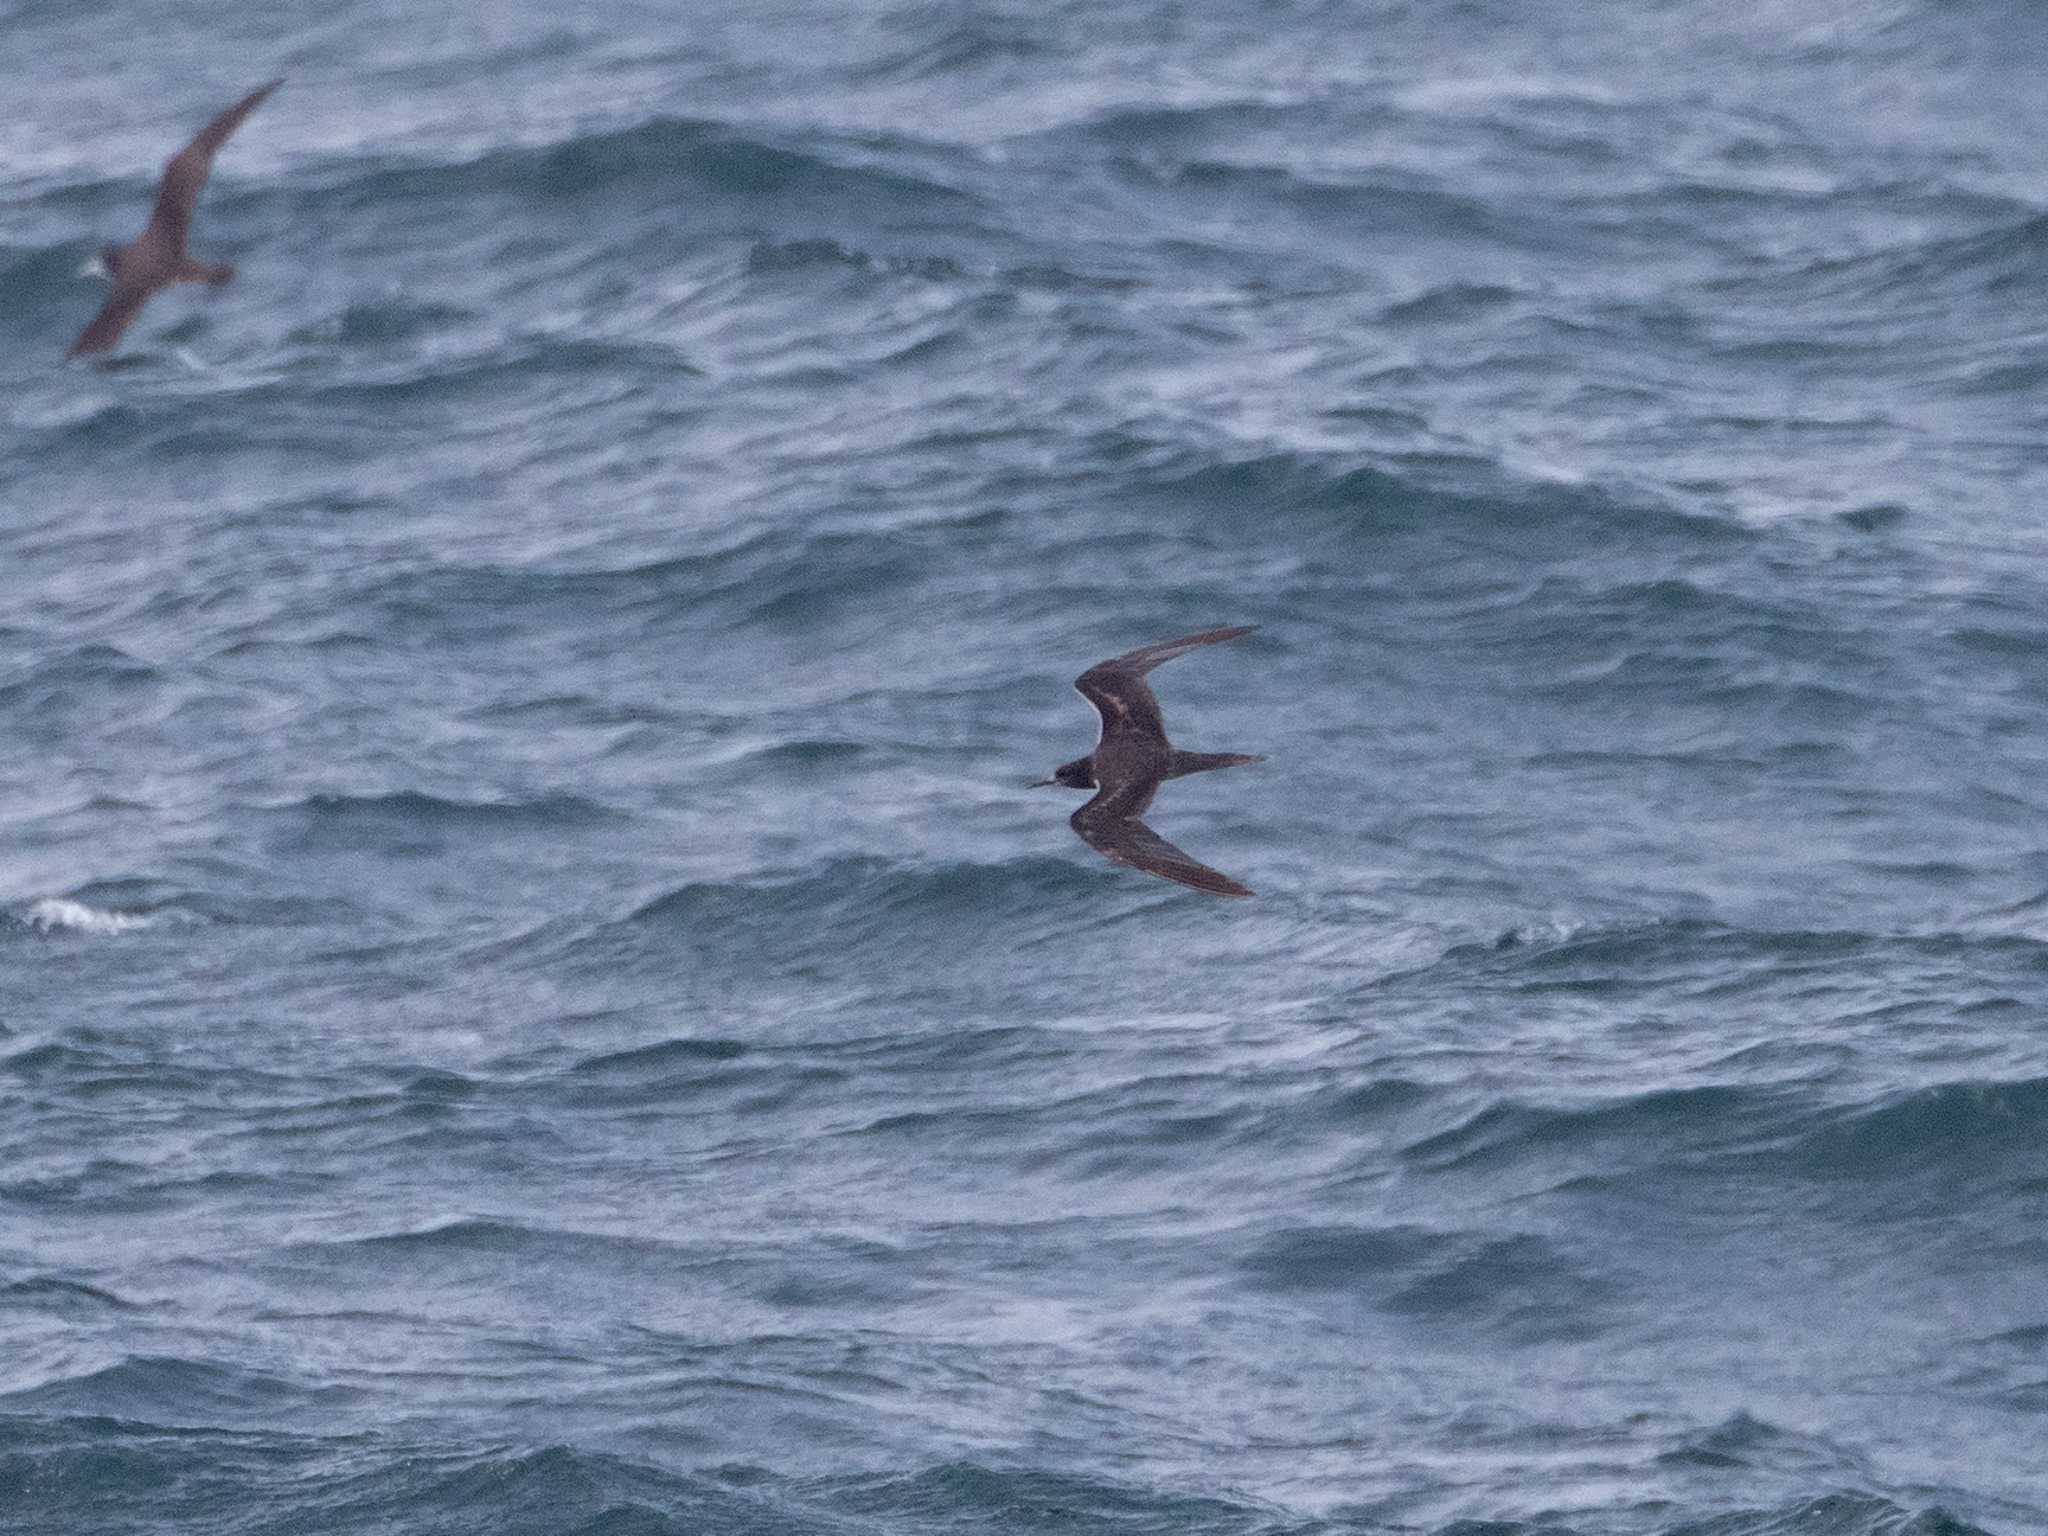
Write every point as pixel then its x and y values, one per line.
pixel 256 98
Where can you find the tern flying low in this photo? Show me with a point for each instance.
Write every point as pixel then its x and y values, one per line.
pixel 1133 758
pixel 156 258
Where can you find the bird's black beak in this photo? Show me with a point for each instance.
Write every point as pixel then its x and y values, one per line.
pixel 1041 783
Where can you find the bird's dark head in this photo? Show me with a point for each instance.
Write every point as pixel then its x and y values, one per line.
pixel 1079 774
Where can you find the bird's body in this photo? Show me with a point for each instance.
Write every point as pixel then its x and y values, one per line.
pixel 156 258
pixel 1133 758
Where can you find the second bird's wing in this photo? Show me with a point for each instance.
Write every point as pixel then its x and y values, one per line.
pixel 122 306
pixel 185 173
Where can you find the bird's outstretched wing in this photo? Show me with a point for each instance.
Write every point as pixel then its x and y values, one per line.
pixel 185 173
pixel 1119 692
pixel 1127 840
pixel 122 306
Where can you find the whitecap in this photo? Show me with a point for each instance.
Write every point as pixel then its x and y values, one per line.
pixel 54 912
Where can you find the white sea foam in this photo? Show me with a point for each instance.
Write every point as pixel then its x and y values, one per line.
pixel 54 912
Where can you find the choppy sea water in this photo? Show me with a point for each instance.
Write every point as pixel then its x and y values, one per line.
pixel 533 997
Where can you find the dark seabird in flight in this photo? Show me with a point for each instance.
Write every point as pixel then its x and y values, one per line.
pixel 1134 758
pixel 157 257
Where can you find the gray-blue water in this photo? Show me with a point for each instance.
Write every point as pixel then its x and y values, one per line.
pixel 533 998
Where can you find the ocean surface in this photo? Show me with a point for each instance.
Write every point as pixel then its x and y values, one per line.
pixel 534 1000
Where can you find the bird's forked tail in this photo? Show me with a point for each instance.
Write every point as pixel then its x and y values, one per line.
pixel 1202 762
pixel 190 271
